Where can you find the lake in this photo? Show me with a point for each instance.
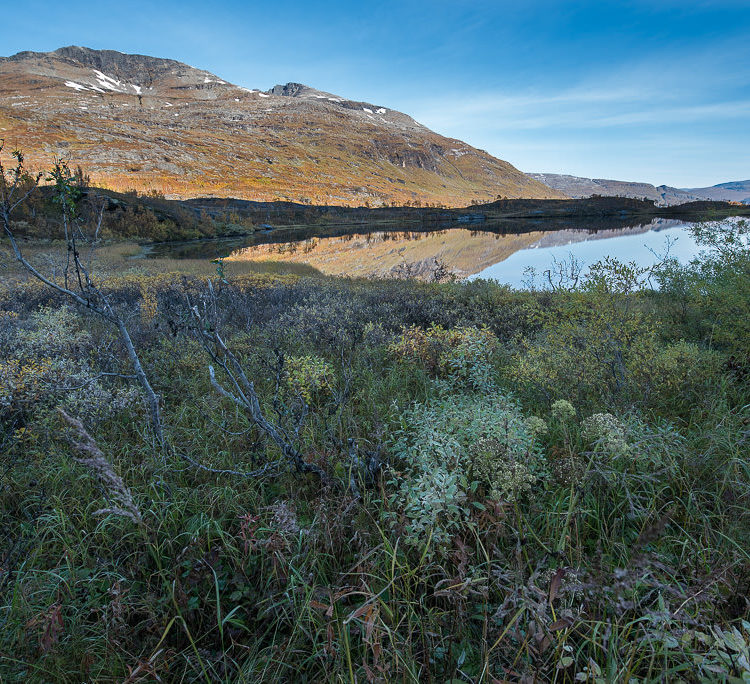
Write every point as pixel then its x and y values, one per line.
pixel 480 251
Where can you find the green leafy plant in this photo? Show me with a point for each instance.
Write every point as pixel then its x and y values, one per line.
pixel 715 287
pixel 459 354
pixel 309 377
pixel 448 449
pixel 604 432
pixel 593 341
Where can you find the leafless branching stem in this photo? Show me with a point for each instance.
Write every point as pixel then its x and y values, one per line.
pixel 241 390
pixel 15 187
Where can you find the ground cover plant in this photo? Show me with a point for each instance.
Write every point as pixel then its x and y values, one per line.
pixel 376 480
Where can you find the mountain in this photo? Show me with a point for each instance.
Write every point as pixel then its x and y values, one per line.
pixel 664 195
pixel 734 191
pixel 138 122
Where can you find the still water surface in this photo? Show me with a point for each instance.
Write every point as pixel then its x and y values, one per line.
pixel 644 248
pixel 484 251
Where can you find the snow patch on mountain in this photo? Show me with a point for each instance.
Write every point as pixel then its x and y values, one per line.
pixel 107 82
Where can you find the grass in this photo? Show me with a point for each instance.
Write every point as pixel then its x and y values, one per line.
pixel 620 564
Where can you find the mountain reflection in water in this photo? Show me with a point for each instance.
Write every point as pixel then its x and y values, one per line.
pixel 462 253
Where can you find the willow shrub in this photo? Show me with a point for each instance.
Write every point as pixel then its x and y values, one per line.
pixel 461 355
pixel 449 449
pixel 714 289
pixel 607 344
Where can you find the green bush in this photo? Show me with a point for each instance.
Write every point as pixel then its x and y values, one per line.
pixel 451 447
pixel 715 287
pixel 461 355
pixel 595 340
pixel 679 375
pixel 603 432
pixel 54 363
pixel 309 377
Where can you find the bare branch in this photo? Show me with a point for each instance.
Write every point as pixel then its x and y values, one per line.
pixel 88 295
pixel 244 394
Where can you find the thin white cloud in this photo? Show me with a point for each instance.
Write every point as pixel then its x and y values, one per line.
pixel 701 84
pixel 494 103
pixel 576 115
pixel 640 123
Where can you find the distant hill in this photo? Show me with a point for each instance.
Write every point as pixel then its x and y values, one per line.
pixel 663 195
pixel 735 191
pixel 145 123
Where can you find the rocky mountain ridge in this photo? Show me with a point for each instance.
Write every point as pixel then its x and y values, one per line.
pixel 152 124
pixel 578 187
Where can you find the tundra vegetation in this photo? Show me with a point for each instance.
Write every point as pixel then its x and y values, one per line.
pixel 370 481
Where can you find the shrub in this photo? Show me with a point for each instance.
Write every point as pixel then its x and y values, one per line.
pixel 53 365
pixel 715 286
pixel 678 374
pixel 500 466
pixel 22 384
pixel 149 303
pixel 590 347
pixel 459 354
pixel 563 411
pixel 450 447
pixel 81 391
pixel 326 317
pixel 434 503
pixel 414 345
pixel 605 433
pixel 309 377
pixel 53 331
pixel 537 426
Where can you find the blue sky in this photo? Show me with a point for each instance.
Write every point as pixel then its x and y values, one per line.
pixel 654 91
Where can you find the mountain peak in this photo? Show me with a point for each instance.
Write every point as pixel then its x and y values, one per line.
pixel 119 64
pixel 98 59
pixel 300 90
pixel 296 90
pixel 109 71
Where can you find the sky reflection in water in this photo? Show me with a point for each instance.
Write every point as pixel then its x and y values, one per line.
pixel 645 249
